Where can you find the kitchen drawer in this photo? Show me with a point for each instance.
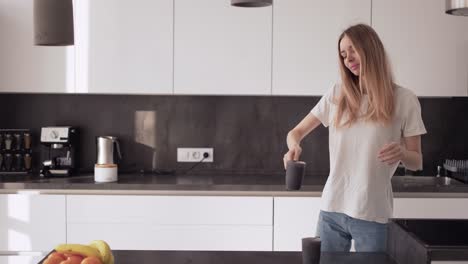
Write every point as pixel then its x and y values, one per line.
pixel 172 222
pixel 169 210
pixel 436 208
pixel 132 236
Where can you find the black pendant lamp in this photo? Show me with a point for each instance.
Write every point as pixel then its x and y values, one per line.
pixel 53 22
pixel 251 3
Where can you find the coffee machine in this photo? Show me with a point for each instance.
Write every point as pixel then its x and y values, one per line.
pixel 61 157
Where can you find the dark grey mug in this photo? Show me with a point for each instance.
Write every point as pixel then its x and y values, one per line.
pixel 295 171
pixel 311 250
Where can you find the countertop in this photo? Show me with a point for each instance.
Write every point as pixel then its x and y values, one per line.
pixel 201 184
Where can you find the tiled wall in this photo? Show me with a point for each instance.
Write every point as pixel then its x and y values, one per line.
pixel 247 132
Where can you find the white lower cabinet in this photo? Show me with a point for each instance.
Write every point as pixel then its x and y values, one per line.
pixel 171 222
pixel 449 262
pixel 15 259
pixel 294 219
pixel 31 222
pixel 437 208
pixel 137 222
pixel 297 217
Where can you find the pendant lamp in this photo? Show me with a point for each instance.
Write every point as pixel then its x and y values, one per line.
pixel 456 7
pixel 53 22
pixel 251 3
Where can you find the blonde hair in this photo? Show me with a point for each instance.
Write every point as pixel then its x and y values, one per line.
pixel 375 78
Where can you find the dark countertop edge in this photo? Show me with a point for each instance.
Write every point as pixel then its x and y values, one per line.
pixel 271 257
pixel 161 192
pixel 212 193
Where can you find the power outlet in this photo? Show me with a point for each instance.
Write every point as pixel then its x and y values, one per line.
pixel 194 154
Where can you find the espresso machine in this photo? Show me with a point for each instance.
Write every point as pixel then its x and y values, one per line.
pixel 61 157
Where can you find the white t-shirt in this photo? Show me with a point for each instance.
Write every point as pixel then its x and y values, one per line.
pixel 359 184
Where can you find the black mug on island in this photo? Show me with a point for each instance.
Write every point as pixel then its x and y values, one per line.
pixel 295 171
pixel 311 248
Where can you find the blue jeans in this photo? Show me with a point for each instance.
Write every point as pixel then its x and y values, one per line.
pixel 336 230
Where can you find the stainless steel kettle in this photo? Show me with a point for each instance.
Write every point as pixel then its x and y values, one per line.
pixel 105 149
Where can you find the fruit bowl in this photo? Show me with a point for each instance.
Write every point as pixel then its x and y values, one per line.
pixel 42 260
pixel 97 252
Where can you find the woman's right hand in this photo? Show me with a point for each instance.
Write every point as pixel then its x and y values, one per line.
pixel 293 154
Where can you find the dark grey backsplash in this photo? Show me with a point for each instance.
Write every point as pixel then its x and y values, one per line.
pixel 247 132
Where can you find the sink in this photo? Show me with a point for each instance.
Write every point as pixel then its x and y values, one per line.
pixel 425 181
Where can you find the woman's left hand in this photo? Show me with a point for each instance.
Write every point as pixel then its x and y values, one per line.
pixel 391 153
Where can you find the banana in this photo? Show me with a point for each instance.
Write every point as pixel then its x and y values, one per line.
pixel 103 249
pixel 79 249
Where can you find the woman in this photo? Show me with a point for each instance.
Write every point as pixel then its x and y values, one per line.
pixel 373 125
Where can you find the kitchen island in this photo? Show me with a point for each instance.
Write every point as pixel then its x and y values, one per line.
pixel 233 257
pixel 222 257
pixel 238 257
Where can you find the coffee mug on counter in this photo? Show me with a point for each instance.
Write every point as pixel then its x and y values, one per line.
pixel 295 171
pixel 311 247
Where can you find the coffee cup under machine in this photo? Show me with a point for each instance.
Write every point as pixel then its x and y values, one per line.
pixel 61 144
pixel 107 148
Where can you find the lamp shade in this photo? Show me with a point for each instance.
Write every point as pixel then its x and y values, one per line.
pixel 53 22
pixel 251 3
pixel 456 7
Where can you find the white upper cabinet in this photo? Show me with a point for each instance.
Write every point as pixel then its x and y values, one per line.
pixel 124 46
pixel 428 49
pixel 221 49
pixel 25 67
pixel 305 42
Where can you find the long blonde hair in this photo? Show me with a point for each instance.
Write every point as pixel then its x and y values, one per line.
pixel 375 79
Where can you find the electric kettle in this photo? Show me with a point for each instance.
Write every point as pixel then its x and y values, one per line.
pixel 105 150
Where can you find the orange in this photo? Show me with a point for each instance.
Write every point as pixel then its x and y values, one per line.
pixel 74 259
pixel 54 259
pixel 91 260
